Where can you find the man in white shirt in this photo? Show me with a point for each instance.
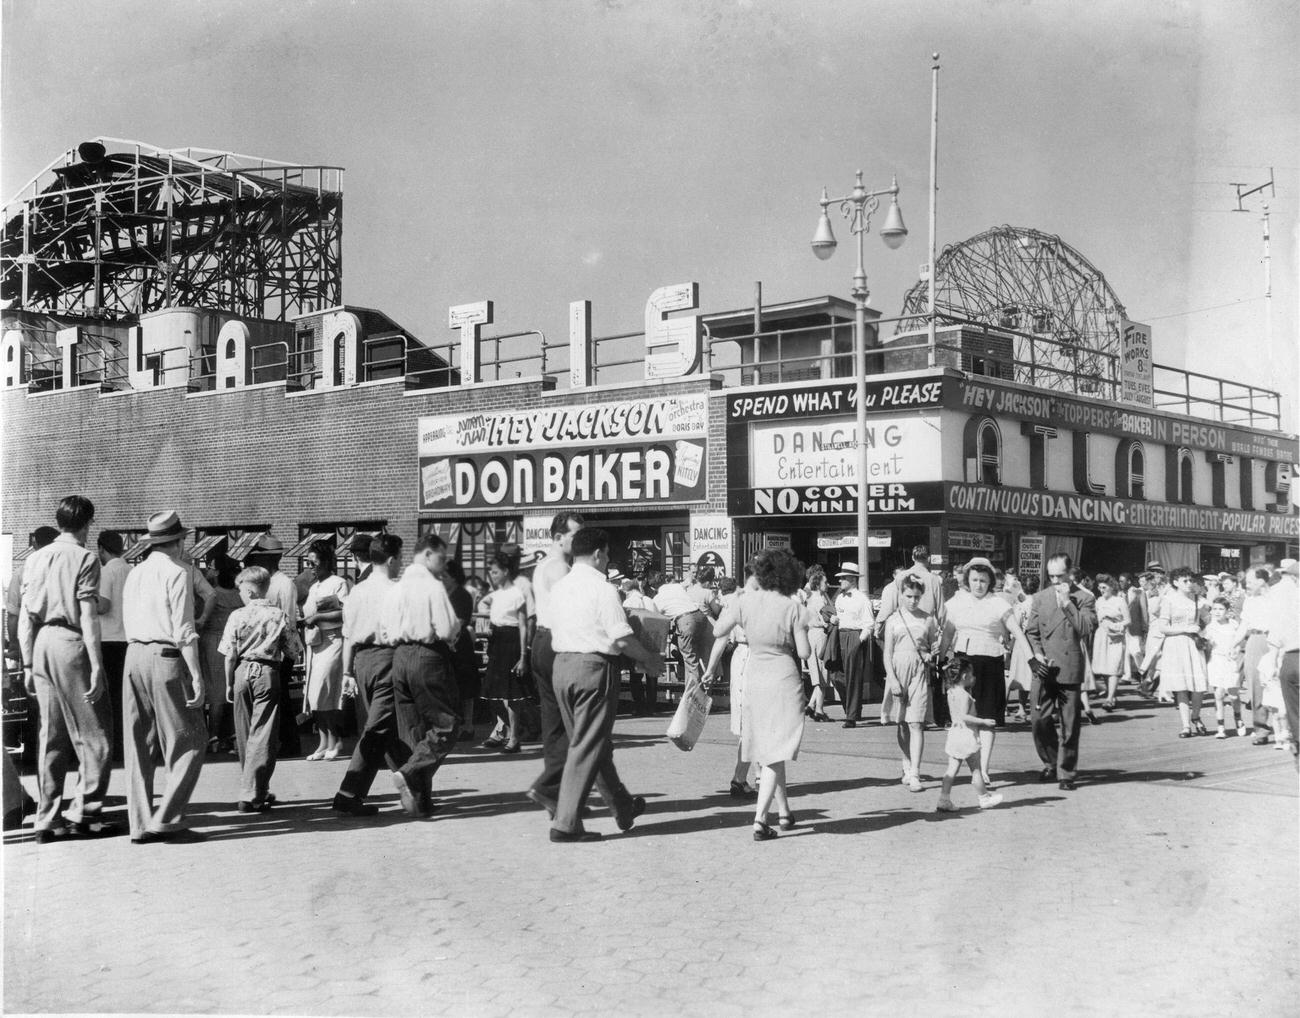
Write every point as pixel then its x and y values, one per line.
pixel 159 712
pixel 588 636
pixel 854 618
pixel 690 611
pixel 418 620
pixel 1284 637
pixel 113 570
pixel 368 675
pixel 545 790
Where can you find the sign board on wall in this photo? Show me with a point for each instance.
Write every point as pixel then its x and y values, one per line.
pixel 967 540
pixel 826 451
pixel 1135 369
pixel 711 535
pixel 776 539
pixel 537 534
pixel 1031 554
pixel 840 539
pixel 646 452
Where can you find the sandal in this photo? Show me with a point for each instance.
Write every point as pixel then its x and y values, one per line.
pixel 1186 733
pixel 786 823
pixel 318 755
pixel 1199 725
pixel 762 832
pixel 740 790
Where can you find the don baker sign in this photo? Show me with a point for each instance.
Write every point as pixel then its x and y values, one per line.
pixel 634 452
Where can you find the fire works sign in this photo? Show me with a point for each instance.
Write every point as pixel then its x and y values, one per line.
pixel 646 451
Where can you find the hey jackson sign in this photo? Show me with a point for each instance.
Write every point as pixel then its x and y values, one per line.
pixel 643 451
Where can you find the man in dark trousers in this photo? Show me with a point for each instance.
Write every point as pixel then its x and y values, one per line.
pixel 589 634
pixel 368 675
pixel 1061 621
pixel 545 791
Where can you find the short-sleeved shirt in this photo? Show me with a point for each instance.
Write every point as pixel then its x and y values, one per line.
pixel 112 579
pixel 58 578
pixel 504 605
pixel 158 602
pixel 259 630
pixel 363 610
pixel 673 599
pixel 853 610
pixel 417 609
pixel 593 619
pixel 979 623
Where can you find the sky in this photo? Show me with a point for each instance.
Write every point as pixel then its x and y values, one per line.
pixel 534 153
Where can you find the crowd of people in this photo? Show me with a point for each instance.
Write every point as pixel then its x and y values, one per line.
pixel 159 656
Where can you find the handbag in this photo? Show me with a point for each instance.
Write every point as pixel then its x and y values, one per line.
pixel 688 720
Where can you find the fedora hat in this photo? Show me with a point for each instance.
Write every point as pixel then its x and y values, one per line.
pixel 847 569
pixel 165 527
pixel 1155 567
pixel 268 543
pixel 1289 566
pixel 530 559
pixel 613 575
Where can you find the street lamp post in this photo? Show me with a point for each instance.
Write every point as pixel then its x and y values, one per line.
pixel 858 208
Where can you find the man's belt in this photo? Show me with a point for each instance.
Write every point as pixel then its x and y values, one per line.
pixel 62 624
pixel 259 660
pixel 441 645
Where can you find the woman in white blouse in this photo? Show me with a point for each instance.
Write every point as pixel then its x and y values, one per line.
pixel 322 616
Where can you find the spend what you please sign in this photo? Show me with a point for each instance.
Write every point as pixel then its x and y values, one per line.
pixel 637 451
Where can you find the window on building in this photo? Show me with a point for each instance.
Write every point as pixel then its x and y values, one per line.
pixel 339 535
pixel 474 542
pixel 989 444
pixel 302 364
pixel 384 357
pixel 1185 493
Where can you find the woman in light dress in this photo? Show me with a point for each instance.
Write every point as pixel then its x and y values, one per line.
pixel 1109 644
pixel 911 638
pixel 820 611
pixel 322 615
pixel 771 712
pixel 1182 662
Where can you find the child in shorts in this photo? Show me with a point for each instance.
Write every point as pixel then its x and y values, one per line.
pixel 963 744
pixel 1224 667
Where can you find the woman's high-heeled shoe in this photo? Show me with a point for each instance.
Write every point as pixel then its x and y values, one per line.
pixel 318 755
pixel 1199 726
pixel 786 823
pixel 1090 716
pixel 740 790
pixel 330 754
pixel 821 717
pixel 1186 733
pixel 510 747
pixel 762 832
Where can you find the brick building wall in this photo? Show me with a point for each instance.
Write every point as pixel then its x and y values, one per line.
pixel 259 456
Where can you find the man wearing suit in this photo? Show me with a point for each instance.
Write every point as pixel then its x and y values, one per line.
pixel 1061 621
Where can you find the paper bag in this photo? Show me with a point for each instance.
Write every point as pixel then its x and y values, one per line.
pixel 688 722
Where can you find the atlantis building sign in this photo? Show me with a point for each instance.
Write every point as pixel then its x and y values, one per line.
pixel 646 451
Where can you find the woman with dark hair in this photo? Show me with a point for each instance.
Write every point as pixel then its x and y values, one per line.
pixel 771 714
pixel 1109 646
pixel 322 615
pixel 1182 663
pixel 820 611
pixel 465 657
pixel 225 601
pixel 504 681
pixel 977 626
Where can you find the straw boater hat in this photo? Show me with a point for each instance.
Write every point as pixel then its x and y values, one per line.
pixel 165 527
pixel 1155 567
pixel 613 575
pixel 848 569
pixel 528 560
pixel 1290 566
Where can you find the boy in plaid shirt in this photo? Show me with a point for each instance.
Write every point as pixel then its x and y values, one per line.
pixel 256 638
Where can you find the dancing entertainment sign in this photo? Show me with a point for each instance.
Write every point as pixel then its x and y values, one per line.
pixel 638 451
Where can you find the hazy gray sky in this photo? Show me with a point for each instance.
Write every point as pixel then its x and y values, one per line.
pixel 535 153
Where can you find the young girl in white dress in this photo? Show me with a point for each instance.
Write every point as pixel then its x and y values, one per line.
pixel 1224 666
pixel 963 745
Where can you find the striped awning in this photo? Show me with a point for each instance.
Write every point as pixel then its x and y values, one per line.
pixel 242 547
pixel 300 549
pixel 204 546
pixel 345 548
pixel 136 552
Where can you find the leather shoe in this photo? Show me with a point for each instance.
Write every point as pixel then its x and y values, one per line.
pixel 563 836
pixel 545 801
pixel 626 821
pixel 244 806
pixel 49 835
pixel 353 806
pixel 409 802
pixel 850 724
pixel 1066 786
pixel 184 836
pixel 1047 774
pixel 96 829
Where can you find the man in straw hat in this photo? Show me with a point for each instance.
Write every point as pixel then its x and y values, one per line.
pixel 162 711
pixel 854 618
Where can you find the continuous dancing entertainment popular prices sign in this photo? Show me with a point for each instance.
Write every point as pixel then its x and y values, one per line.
pixel 638 451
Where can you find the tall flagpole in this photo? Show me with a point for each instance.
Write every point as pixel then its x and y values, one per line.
pixel 934 199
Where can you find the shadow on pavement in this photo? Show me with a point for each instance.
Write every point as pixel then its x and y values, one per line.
pixel 1108 776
